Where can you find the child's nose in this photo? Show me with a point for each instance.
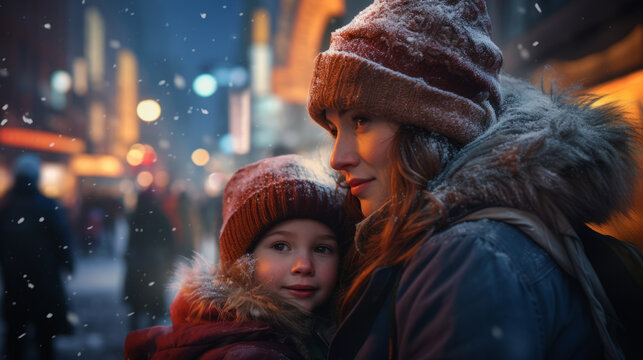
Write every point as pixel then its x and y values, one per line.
pixel 303 265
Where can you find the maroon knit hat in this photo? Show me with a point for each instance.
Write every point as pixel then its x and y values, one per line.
pixel 428 63
pixel 272 190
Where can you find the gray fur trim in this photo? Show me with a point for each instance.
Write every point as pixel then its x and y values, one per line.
pixel 545 150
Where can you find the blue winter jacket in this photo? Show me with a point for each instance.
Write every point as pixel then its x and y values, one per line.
pixel 478 290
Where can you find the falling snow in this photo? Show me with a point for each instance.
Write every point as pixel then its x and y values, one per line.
pixel 4 121
pixel 47 26
pixel 179 81
pixel 52 144
pixel 203 15
pixel 50 315
pixel 204 111
pixel 41 219
pixel 151 283
pixel 496 332
pixel 21 220
pixel 27 119
pixel 5 107
pixel 535 43
pixel 22 335
pixel 538 8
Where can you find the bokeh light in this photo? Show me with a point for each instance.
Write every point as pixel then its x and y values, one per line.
pixel 135 155
pixel 141 154
pixel 226 144
pixel 204 85
pixel 61 81
pixel 148 110
pixel 144 179
pixel 161 179
pixel 215 183
pixel 200 157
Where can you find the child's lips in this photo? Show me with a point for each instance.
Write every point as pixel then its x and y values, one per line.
pixel 301 291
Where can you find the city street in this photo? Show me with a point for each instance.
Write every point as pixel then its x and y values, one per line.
pixel 101 318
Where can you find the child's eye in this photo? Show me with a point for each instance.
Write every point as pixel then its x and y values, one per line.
pixel 280 246
pixel 323 249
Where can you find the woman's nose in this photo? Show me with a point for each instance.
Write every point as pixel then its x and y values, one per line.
pixel 344 155
pixel 303 265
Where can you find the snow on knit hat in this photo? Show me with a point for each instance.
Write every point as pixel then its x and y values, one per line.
pixel 272 190
pixel 428 63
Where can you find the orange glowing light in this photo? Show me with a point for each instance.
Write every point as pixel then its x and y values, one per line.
pixel 96 165
pixel 141 154
pixel 292 81
pixel 135 155
pixel 40 140
pixel 626 92
pixel 200 157
pixel 145 179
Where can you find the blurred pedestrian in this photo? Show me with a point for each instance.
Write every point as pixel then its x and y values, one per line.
pixel 281 245
pixel 34 254
pixel 149 260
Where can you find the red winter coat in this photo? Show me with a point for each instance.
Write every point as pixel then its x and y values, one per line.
pixel 226 316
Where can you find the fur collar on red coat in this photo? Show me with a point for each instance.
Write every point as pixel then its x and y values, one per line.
pixel 208 293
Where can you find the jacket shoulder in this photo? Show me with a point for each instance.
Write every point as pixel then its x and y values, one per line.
pixel 496 240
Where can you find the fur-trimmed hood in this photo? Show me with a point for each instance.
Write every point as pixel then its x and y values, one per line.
pixel 207 293
pixel 544 152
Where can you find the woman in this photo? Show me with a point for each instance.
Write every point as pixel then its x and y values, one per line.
pixel 471 186
pixel 280 248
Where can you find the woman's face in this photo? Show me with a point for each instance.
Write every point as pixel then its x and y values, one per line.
pixel 299 260
pixel 361 154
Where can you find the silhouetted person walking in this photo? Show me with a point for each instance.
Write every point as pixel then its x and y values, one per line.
pixel 149 260
pixel 34 251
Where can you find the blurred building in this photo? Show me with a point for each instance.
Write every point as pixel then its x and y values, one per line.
pixel 584 46
pixel 34 82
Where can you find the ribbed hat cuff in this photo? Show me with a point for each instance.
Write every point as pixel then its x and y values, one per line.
pixel 293 199
pixel 343 80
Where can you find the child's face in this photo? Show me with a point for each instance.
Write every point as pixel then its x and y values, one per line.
pixel 299 260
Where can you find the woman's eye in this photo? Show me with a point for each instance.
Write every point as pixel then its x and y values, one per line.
pixel 360 121
pixel 333 132
pixel 280 246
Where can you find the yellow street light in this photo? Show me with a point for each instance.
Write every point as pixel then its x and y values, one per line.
pixel 200 157
pixel 148 110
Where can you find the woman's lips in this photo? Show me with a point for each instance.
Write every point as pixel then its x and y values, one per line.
pixel 358 185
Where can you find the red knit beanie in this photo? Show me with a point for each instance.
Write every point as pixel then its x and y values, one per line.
pixel 272 190
pixel 428 63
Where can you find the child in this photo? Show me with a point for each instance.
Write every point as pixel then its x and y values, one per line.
pixel 280 245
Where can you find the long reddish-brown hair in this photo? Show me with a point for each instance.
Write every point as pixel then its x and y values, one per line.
pixel 409 217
